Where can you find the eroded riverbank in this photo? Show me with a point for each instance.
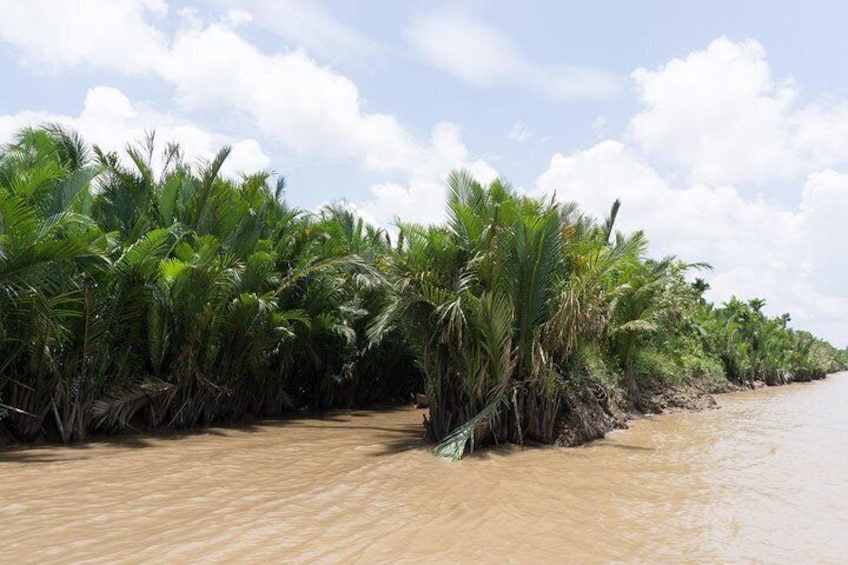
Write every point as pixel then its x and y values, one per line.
pixel 762 479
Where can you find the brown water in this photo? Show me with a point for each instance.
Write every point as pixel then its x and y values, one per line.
pixel 764 479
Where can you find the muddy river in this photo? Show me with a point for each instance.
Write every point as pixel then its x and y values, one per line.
pixel 763 479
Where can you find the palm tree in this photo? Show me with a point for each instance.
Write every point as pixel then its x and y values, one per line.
pixel 635 314
pixel 44 241
pixel 489 304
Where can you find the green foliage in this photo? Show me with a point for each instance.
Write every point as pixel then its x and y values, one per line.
pixel 650 362
pixel 145 289
pixel 169 295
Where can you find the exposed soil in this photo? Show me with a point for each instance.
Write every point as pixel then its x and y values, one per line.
pixel 590 415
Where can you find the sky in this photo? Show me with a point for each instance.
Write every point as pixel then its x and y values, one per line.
pixel 721 126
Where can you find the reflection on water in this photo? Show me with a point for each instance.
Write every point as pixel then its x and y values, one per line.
pixel 761 480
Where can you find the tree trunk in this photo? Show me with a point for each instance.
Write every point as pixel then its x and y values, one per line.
pixel 633 386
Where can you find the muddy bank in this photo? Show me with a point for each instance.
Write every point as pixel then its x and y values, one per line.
pixel 595 411
pixel 598 410
pixel 589 412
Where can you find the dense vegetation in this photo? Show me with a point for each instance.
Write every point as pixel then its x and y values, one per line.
pixel 145 290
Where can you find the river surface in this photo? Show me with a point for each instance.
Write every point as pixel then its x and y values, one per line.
pixel 763 479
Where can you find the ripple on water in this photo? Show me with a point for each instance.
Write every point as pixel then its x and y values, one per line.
pixel 762 479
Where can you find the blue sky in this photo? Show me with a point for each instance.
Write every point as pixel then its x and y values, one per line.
pixel 722 126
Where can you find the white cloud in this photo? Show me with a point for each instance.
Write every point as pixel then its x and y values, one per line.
pixel 519 132
pixel 236 17
pixel 246 156
pixel 719 116
pixel 308 25
pixel 422 197
pixel 599 126
pixel 114 33
pixel 109 119
pixel 475 53
pixel 693 222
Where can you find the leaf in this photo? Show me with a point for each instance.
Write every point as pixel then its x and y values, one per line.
pixel 454 445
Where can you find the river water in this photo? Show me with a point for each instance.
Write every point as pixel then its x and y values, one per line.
pixel 763 479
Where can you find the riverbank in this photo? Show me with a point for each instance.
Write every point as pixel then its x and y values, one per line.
pixel 599 411
pixel 590 415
